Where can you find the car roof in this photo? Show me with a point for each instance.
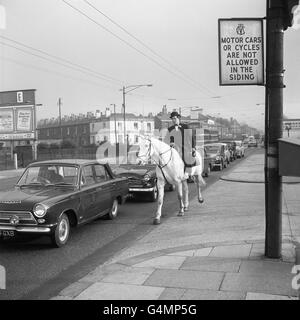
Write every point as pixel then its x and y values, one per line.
pixel 215 144
pixel 78 162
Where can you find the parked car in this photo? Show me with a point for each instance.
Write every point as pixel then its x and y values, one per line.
pixel 52 196
pixel 141 178
pixel 252 141
pixel 219 153
pixel 240 149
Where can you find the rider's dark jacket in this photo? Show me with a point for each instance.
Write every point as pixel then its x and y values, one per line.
pixel 184 139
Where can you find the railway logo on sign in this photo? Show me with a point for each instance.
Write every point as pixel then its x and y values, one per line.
pixel 240 29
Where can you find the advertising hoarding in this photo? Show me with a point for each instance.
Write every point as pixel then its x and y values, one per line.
pixel 6 120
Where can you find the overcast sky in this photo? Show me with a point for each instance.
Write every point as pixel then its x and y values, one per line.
pixel 172 44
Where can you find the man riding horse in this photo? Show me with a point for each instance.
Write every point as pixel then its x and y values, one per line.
pixel 183 139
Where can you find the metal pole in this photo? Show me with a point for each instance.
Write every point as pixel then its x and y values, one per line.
pixel 115 120
pixel 275 31
pixel 124 113
pixel 125 140
pixel 59 114
pixel 115 124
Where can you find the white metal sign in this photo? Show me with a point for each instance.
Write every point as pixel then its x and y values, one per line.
pixel 20 97
pixel 17 136
pixel 241 59
pixel 2 278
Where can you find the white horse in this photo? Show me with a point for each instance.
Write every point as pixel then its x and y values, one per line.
pixel 170 168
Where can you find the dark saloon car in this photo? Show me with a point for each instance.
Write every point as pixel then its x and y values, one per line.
pixel 219 153
pixel 141 178
pixel 52 196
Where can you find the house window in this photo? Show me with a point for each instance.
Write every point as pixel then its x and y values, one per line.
pixel 136 139
pixel 148 126
pixel 93 127
pixel 104 125
pixel 119 125
pixel 68 131
pixel 48 132
pixel 136 126
pixel 84 129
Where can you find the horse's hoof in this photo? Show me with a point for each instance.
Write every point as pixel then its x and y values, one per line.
pixel 186 209
pixel 156 221
pixel 180 214
pixel 201 200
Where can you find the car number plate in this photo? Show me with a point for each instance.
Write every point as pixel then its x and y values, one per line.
pixel 7 233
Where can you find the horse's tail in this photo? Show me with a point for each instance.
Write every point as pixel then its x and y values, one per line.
pixel 201 163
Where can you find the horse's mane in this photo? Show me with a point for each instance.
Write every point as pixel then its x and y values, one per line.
pixel 162 146
pixel 159 143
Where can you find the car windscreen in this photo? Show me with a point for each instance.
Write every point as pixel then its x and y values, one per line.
pixel 49 174
pixel 212 149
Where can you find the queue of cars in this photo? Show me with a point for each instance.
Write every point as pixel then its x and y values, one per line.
pixel 52 196
pixel 222 153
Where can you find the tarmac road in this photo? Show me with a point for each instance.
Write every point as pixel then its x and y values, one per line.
pixel 35 270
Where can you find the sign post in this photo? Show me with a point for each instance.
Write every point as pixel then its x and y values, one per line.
pixel 241 59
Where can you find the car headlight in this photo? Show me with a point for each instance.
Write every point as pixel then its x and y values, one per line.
pixel 40 210
pixel 146 177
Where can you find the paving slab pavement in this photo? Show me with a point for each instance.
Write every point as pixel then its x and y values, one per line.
pixel 215 251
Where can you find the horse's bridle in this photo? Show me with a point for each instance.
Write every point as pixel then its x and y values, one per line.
pixel 148 155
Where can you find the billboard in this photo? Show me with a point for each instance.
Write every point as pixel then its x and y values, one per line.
pixel 6 120
pixel 17 115
pixel 24 119
pixel 241 58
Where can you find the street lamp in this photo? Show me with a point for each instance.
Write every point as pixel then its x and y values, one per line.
pixel 35 142
pixel 113 104
pixel 125 91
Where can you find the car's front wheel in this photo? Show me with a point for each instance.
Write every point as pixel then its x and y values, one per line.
pixel 114 210
pixel 62 231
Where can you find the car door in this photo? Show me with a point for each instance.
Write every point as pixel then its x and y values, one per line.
pixel 88 194
pixel 105 188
